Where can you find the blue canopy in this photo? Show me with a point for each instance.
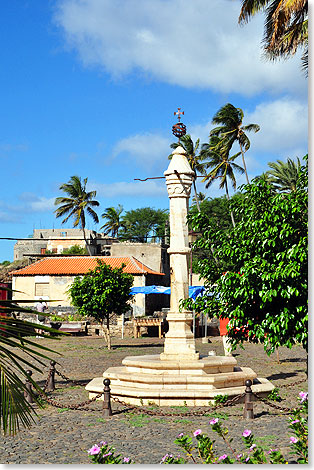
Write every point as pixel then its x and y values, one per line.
pixel 194 291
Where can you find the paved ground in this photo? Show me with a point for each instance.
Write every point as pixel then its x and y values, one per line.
pixel 62 436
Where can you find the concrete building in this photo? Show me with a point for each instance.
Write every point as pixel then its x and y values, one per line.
pixel 50 277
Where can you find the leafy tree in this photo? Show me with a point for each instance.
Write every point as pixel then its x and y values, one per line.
pixel 261 285
pixel 76 204
pixel 75 250
pixel 286 26
pixel 284 175
pixel 222 165
pixel 143 223
pixel 5 263
pixel 218 212
pixel 113 217
pixel 18 353
pixel 197 162
pixel 230 129
pixel 100 293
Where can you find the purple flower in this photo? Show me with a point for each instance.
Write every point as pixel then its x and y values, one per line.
pixel 197 432
pixel 293 440
pixel 126 459
pixel 107 455
pixel 247 459
pixel 295 421
pixel 252 446
pixel 165 457
pixel 180 435
pixel 223 457
pixel 303 396
pixel 214 421
pixel 272 450
pixel 246 433
pixel 239 456
pixel 94 450
pixel 102 443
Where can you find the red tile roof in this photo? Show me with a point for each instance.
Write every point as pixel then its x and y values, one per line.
pixel 75 265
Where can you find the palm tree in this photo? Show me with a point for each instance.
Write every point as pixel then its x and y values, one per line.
pixel 284 175
pixel 222 165
pixel 112 215
pixel 19 352
pixel 75 205
pixel 196 162
pixel 231 129
pixel 286 26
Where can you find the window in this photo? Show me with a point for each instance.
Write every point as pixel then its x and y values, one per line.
pixel 41 289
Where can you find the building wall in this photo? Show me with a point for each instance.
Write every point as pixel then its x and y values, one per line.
pixel 152 255
pixel 55 287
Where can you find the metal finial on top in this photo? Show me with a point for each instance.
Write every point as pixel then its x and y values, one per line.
pixel 179 129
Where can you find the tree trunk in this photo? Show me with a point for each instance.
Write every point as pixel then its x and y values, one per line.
pixel 228 197
pixel 196 196
pixel 106 332
pixel 244 165
pixel 87 245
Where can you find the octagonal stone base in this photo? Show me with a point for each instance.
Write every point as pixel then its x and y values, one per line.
pixel 146 380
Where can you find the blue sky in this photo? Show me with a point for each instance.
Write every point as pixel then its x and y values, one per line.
pixel 89 88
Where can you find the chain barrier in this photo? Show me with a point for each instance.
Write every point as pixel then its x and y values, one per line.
pixel 160 412
pixel 140 409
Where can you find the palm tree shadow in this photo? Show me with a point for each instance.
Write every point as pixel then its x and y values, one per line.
pixel 283 375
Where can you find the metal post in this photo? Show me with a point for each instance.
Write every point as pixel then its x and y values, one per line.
pixel 194 323
pixel 106 404
pixel 122 331
pixel 205 329
pixel 248 401
pixel 28 385
pixel 51 378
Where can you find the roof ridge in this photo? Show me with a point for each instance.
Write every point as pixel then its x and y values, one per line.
pixel 140 262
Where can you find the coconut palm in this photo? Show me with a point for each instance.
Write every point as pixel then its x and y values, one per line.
pixel 197 162
pixel 112 215
pixel 76 204
pixel 222 165
pixel 231 129
pixel 284 175
pixel 286 26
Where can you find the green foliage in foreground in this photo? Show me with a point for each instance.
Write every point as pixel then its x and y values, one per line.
pixel 18 353
pixel 200 449
pixel 260 282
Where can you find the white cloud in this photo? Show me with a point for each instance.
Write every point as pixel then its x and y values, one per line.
pixel 136 189
pixel 283 127
pixel 188 43
pixel 147 150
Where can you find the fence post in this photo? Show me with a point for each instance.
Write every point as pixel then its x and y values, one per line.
pixel 28 385
pixel 106 404
pixel 51 377
pixel 248 401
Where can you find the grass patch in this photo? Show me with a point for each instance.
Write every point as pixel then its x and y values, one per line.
pixel 266 441
pixel 183 421
pixel 217 415
pixel 62 410
pixel 138 421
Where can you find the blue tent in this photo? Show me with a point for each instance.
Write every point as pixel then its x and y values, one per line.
pixel 194 291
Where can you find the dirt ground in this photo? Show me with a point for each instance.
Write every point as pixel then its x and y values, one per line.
pixel 62 435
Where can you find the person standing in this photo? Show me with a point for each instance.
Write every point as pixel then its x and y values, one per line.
pixel 40 306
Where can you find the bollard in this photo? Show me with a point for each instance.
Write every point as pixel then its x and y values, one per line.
pixel 28 392
pixel 248 401
pixel 106 404
pixel 51 377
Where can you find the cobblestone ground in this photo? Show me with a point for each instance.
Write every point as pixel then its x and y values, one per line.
pixel 62 436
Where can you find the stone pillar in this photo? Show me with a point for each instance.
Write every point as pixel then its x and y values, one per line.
pixel 179 341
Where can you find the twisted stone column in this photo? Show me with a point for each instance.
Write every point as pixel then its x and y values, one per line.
pixel 179 341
